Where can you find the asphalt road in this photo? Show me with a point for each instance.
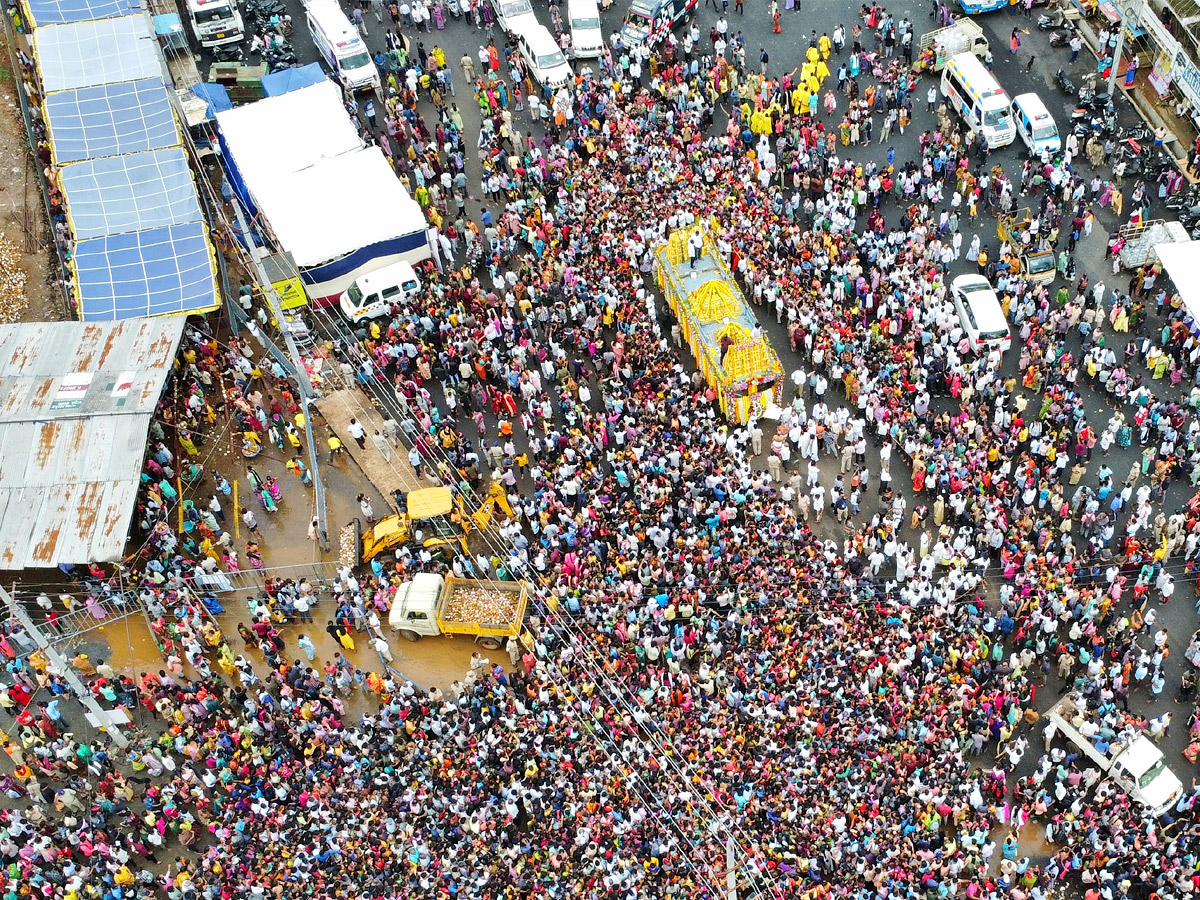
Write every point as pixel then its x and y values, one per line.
pixel 1018 75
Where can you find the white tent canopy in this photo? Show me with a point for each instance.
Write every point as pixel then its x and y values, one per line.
pixel 337 206
pixel 1182 262
pixel 298 160
pixel 276 136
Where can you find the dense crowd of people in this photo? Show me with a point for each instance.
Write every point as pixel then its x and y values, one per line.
pixel 708 658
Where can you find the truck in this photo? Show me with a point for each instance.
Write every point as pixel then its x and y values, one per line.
pixel 964 36
pixel 1129 758
pixel 341 46
pixel 1137 240
pixel 433 604
pixel 215 22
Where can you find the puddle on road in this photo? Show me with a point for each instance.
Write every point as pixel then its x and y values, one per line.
pixel 130 648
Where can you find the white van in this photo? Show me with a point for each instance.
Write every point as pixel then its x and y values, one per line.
pixel 587 39
pixel 341 46
pixel 1035 125
pixel 514 16
pixel 543 56
pixel 980 314
pixel 372 295
pixel 975 95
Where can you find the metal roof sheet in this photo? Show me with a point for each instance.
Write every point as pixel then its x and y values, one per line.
pixel 75 405
pixel 52 370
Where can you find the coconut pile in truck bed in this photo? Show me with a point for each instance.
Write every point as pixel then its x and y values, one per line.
pixel 479 602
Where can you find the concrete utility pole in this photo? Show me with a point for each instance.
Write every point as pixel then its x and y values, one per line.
pixel 56 659
pixel 1128 20
pixel 303 383
pixel 730 869
pixel 1116 59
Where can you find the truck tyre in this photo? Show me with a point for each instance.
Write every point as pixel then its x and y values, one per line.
pixel 489 643
pixel 409 635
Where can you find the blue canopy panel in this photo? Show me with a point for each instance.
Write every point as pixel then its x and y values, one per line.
pixel 84 54
pixel 109 119
pixel 61 12
pixel 170 29
pixel 134 192
pixel 147 273
pixel 215 95
pixel 293 79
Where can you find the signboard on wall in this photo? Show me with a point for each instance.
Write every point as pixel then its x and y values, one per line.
pixel 1160 75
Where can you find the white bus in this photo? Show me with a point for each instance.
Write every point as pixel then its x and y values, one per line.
pixel 976 96
pixel 341 46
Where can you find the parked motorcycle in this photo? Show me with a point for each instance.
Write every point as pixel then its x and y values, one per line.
pixel 1063 80
pixel 277 60
pixel 1093 99
pixel 229 53
pixel 1054 19
pixel 1061 38
pixel 1186 200
pixel 1094 121
pixel 1191 217
pixel 1141 133
pixel 1145 160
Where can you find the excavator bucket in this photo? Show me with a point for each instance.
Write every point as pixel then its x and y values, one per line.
pixel 496 497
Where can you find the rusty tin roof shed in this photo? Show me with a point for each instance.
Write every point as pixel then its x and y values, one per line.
pixel 75 405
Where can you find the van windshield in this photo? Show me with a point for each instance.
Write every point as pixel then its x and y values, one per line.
pixel 583 22
pixel 356 61
pixel 514 8
pixel 354 294
pixel 1045 132
pixel 637 23
pixel 996 118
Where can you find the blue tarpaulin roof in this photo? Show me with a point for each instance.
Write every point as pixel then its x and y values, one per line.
pixel 216 95
pixel 129 117
pixel 59 12
pixel 82 54
pixel 293 79
pixel 147 273
pixel 134 192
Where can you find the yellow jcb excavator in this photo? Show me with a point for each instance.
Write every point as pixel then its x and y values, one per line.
pixel 433 517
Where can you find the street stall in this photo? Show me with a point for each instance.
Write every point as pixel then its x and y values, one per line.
pixel 733 355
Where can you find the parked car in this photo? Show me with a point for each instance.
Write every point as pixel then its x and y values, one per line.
pixel 547 64
pixel 514 15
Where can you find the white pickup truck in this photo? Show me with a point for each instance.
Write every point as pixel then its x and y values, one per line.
pixel 431 604
pixel 964 36
pixel 1135 764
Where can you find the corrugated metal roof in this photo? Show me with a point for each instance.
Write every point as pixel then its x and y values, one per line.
pixel 75 405
pixel 51 370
